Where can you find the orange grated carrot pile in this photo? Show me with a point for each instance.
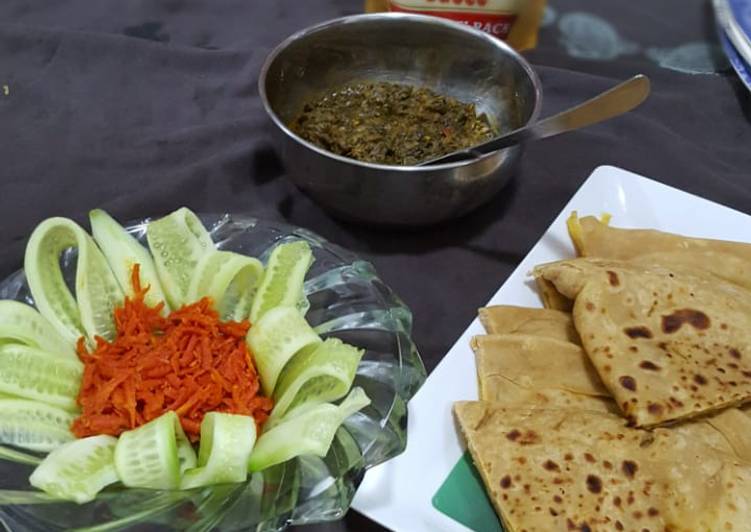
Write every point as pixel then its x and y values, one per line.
pixel 189 362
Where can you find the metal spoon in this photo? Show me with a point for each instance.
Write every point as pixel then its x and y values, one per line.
pixel 611 103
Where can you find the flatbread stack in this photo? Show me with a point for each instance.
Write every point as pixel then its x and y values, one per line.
pixel 628 412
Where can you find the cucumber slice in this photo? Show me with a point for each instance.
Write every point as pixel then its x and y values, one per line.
pixel 34 426
pixel 275 339
pixel 310 432
pixel 78 470
pixel 230 280
pixel 282 283
pixel 122 251
pixel 315 375
pixel 226 443
pixel 22 323
pixel 33 374
pixel 177 242
pixel 97 291
pixel 147 457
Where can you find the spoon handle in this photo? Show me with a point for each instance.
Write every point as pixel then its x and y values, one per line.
pixel 620 99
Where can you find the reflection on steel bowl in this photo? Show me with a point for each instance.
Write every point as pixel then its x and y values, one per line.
pixel 448 58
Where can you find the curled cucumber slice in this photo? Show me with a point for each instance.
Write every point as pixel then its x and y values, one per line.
pixel 34 426
pixel 33 374
pixel 21 323
pixel 90 312
pixel 122 252
pixel 177 242
pixel 309 432
pixel 148 457
pixel 317 374
pixel 275 339
pixel 78 470
pixel 230 280
pixel 226 443
pixel 282 283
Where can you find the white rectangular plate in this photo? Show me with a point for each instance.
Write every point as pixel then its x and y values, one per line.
pixel 398 494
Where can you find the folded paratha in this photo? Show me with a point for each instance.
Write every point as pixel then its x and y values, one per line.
pixel 582 470
pixel 667 344
pixel 730 261
pixel 507 319
pixel 527 371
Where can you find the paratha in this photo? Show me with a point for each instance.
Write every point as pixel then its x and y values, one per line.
pixel 536 371
pixel 730 261
pixel 581 470
pixel 507 319
pixel 667 344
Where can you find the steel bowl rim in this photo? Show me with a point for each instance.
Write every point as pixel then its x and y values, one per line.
pixel 422 19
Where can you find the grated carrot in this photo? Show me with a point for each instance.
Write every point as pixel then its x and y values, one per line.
pixel 189 362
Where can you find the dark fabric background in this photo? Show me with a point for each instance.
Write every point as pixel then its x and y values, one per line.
pixel 143 106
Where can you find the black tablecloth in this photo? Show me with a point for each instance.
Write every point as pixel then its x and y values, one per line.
pixel 140 107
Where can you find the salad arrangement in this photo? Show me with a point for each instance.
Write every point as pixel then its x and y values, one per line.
pixel 161 354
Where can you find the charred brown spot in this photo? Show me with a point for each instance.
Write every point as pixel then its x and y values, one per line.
pixel 585 528
pixel 633 349
pixel 723 326
pixel 568 456
pixel 700 379
pixel 655 409
pixel 529 438
pixel 628 382
pixel 607 465
pixel 522 460
pixel 663 346
pixel 734 353
pixel 638 332
pixel 618 525
pixel 613 278
pixel 629 468
pixel 589 458
pixel 590 306
pixel 637 514
pixel 653 512
pixel 649 365
pixel 557 499
pixel 526 488
pixel 733 365
pixel 506 482
pixel 553 512
pixel 607 368
pixel 696 318
pixel 594 484
pixel 551 466
pixel 570 524
pixel 617 501
pixel 513 435
pixel 676 402
pixel 746 373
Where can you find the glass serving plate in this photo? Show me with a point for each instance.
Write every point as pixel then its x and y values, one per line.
pixel 348 301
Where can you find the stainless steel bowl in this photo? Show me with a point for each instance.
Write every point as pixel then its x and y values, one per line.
pixel 447 57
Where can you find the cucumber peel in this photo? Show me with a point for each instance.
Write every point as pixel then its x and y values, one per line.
pixel 34 426
pixel 317 374
pixel 90 312
pixel 230 280
pixel 22 323
pixel 78 470
pixel 275 339
pixel 33 374
pixel 282 283
pixel 226 443
pixel 122 252
pixel 147 457
pixel 311 431
pixel 177 242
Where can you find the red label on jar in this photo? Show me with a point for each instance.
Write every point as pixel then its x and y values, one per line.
pixel 494 23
